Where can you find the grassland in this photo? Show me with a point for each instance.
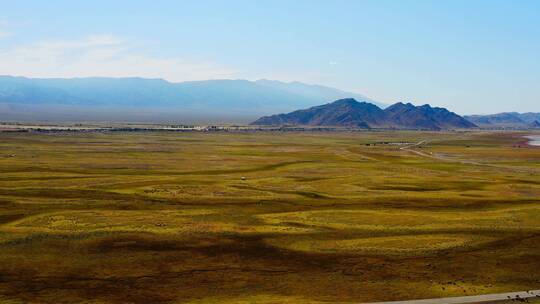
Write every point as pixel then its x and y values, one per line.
pixel 162 217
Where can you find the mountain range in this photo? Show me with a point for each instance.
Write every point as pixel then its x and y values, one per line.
pixel 223 101
pixel 235 99
pixel 351 113
pixel 506 120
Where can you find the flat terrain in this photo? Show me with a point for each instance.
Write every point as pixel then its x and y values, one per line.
pixel 166 217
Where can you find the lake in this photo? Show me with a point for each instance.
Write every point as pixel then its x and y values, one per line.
pixel 534 140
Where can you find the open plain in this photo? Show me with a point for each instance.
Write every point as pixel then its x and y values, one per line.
pixel 266 217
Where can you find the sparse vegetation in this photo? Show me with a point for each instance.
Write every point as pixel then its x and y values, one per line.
pixel 162 217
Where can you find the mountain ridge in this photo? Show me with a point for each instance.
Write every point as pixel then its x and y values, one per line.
pixel 137 91
pixel 505 120
pixel 351 113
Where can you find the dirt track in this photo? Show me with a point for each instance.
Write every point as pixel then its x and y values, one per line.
pixel 488 298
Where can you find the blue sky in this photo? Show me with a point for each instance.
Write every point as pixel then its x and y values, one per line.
pixel 470 56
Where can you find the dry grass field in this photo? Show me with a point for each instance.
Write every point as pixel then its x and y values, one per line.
pixel 163 217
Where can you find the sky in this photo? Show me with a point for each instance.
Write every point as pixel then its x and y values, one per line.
pixel 473 56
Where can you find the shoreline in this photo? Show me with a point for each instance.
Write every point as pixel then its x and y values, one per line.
pixel 524 141
pixel 530 139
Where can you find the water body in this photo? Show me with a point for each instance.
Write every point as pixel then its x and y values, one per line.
pixel 534 140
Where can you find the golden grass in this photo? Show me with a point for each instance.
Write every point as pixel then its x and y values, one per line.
pixel 386 245
pixel 163 217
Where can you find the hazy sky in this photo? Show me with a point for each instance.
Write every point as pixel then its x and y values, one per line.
pixel 470 56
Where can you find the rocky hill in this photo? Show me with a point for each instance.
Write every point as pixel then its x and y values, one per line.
pixel 351 113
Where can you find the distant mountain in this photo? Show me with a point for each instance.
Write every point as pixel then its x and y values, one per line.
pixel 351 113
pixel 245 99
pixel 425 117
pixel 315 91
pixel 529 117
pixel 535 124
pixel 505 120
pixel 343 112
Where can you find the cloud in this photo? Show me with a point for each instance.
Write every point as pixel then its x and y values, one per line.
pixel 3 30
pixel 4 33
pixel 102 55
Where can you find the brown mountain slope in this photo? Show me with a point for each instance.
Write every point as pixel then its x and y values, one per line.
pixel 351 113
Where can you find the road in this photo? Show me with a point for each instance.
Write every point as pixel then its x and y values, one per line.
pixel 488 298
pixel 410 148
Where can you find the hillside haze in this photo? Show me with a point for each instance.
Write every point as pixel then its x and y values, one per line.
pixel 136 98
pixel 351 113
pixel 507 120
